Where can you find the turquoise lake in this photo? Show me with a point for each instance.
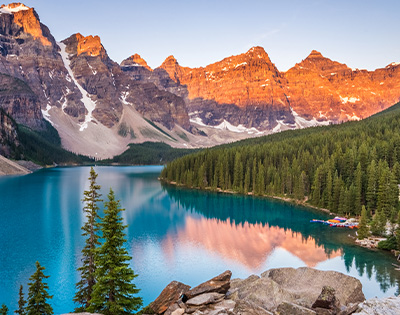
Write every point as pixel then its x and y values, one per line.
pixel 173 234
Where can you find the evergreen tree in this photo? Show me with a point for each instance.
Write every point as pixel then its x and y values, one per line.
pixel 3 310
pixel 37 294
pixel 398 231
pixel 363 230
pixel 378 223
pixel 357 190
pixel 114 290
pixel 246 186
pixel 21 302
pixel 371 186
pixel 90 231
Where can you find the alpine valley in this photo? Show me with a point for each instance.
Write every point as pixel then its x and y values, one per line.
pixel 98 106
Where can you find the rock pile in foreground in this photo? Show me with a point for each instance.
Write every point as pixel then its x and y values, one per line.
pixel 282 291
pixel 277 291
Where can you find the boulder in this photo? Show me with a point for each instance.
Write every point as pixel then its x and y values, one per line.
pixel 263 292
pixel 248 308
pixel 307 283
pixel 387 306
pixel 169 296
pixel 286 308
pixel 179 311
pixel 326 299
pixel 219 284
pixel 205 298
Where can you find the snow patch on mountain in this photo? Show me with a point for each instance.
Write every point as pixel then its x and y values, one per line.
pixel 345 100
pixel 226 125
pixel 46 114
pixel 301 122
pixel 86 100
pixel 8 9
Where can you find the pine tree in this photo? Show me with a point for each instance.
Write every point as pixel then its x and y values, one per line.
pixel 363 230
pixel 37 294
pixel 90 231
pixel 114 290
pixel 398 231
pixel 246 186
pixel 3 310
pixel 21 302
pixel 371 186
pixel 378 223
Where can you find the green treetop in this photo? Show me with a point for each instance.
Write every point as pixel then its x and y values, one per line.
pixel 21 302
pixel 38 295
pixel 3 310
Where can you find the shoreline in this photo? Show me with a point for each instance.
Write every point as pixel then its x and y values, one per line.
pixel 284 199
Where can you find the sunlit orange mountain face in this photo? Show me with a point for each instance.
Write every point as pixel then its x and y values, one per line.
pixel 248 244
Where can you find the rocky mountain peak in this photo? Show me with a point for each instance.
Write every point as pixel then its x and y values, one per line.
pixel 13 7
pixel 314 54
pixel 316 62
pixel 170 60
pixel 172 67
pixel 258 52
pixel 90 45
pixel 27 18
pixel 135 60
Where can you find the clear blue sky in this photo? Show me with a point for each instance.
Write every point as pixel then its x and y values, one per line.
pixel 361 33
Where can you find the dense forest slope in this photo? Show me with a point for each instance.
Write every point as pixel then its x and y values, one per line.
pixel 338 167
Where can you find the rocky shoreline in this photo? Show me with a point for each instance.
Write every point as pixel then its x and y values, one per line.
pixel 282 291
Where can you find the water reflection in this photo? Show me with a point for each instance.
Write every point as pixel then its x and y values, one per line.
pixel 251 230
pixel 249 244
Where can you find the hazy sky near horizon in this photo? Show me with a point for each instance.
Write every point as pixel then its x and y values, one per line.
pixel 361 33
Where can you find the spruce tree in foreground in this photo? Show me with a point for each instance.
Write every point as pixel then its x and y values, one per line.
pixel 90 231
pixel 3 310
pixel 38 295
pixel 114 290
pixel 21 302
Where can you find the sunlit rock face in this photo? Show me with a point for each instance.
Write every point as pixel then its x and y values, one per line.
pixel 135 61
pixel 328 90
pixel 248 89
pixel 28 20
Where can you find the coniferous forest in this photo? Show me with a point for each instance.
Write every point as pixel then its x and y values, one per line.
pixel 338 167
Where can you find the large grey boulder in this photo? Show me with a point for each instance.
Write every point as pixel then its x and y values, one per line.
pixel 308 283
pixel 286 308
pixel 387 306
pixel 300 286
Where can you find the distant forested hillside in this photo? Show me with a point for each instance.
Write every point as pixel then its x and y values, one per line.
pixel 148 153
pixel 338 167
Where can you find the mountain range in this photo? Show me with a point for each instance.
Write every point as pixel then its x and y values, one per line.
pixel 99 106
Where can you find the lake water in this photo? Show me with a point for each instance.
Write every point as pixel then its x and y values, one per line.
pixel 173 234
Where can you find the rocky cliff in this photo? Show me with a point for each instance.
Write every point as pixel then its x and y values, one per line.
pixel 328 90
pixel 8 134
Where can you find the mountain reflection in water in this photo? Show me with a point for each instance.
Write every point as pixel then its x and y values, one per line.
pixel 249 244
